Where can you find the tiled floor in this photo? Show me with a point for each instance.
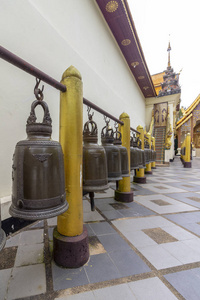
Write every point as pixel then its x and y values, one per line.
pixel 148 249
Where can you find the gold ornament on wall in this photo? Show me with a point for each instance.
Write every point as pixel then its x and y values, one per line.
pixel 111 6
pixel 134 64
pixel 126 42
pixel 145 88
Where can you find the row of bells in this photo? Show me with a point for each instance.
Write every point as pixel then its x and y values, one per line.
pixel 38 180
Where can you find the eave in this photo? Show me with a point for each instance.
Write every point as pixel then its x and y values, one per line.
pixel 119 19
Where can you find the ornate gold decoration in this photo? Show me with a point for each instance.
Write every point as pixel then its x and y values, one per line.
pixel 126 42
pixel 140 77
pixel 134 64
pixel 112 6
pixel 168 142
pixel 145 88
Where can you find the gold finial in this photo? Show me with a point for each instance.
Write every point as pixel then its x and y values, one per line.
pixel 169 49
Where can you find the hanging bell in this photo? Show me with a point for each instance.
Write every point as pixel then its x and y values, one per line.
pixel 142 162
pixel 95 174
pixel 2 235
pixel 38 187
pixel 123 153
pixel 147 152
pixel 134 153
pixel 112 154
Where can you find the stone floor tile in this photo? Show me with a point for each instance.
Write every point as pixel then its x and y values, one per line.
pixel 112 214
pixel 111 242
pixel 152 202
pixel 31 237
pixel 92 216
pixel 52 221
pixel 13 240
pixel 4 281
pixel 182 252
pixel 185 198
pixel 128 225
pixel 164 179
pixel 159 257
pixel 68 278
pixel 162 188
pixel 151 289
pixel 187 283
pixel 29 255
pixel 101 228
pixel 101 268
pixel 81 296
pixel 38 224
pixel 179 233
pixel 89 230
pixel 128 262
pixel 7 257
pixel 139 239
pixel 117 292
pixel 103 206
pixel 109 193
pixel 27 281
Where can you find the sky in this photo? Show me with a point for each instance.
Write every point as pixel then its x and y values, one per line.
pixel 157 22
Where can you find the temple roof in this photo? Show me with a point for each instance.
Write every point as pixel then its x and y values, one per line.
pixel 188 112
pixel 119 19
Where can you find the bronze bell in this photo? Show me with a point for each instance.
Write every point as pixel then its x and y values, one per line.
pixel 95 174
pixel 112 154
pixel 38 187
pixel 134 153
pixel 123 153
pixel 2 235
pixel 142 163
pixel 147 152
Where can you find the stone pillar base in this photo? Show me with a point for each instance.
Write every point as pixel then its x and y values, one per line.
pixel 124 197
pixel 139 179
pixel 148 172
pixel 70 252
pixel 153 167
pixel 187 164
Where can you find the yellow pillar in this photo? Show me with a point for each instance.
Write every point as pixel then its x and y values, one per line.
pixel 153 164
pixel 187 157
pixel 148 166
pixel 140 178
pixel 124 193
pixel 70 238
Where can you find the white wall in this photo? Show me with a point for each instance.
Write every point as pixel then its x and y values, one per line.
pixel 52 35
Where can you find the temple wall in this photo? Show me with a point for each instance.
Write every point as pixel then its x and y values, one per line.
pixel 53 36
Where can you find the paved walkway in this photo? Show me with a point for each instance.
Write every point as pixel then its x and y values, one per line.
pixel 147 249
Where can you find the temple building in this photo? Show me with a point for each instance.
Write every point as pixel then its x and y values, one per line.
pixel 163 110
pixel 190 123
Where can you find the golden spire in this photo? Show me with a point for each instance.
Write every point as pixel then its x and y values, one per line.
pixel 169 49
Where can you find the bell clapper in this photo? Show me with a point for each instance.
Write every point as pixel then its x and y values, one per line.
pixel 91 194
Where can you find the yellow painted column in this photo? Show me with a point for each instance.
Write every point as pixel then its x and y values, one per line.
pixel 187 157
pixel 70 238
pixel 124 192
pixel 148 166
pixel 140 178
pixel 153 164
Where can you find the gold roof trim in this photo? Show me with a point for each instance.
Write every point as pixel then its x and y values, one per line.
pixel 189 109
pixel 184 121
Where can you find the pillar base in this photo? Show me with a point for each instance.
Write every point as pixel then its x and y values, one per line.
pixel 70 252
pixel 148 172
pixel 139 179
pixel 124 196
pixel 153 167
pixel 187 164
